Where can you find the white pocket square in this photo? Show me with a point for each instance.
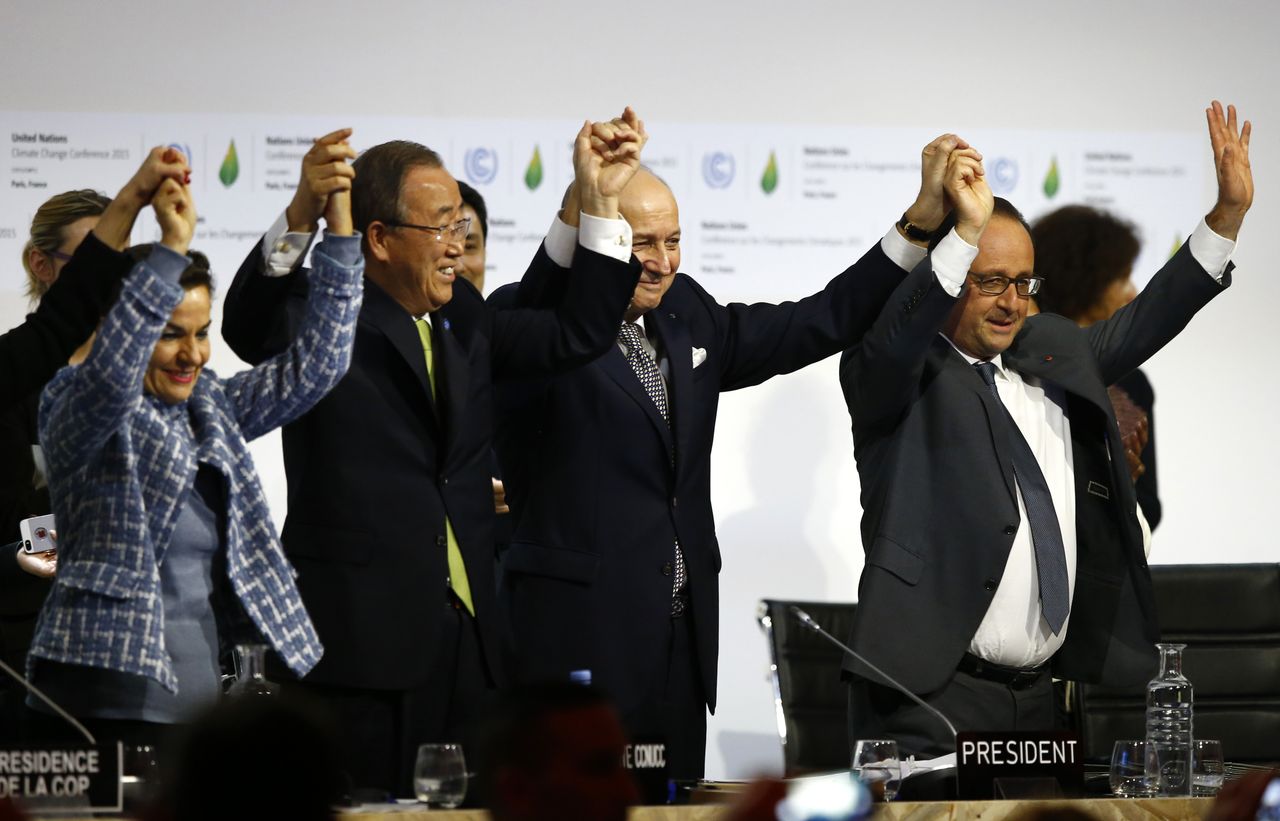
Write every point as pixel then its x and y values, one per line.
pixel 699 356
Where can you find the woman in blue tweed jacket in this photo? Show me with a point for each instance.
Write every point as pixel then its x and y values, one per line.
pixel 164 534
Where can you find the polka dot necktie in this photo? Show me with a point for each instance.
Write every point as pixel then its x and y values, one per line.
pixel 650 377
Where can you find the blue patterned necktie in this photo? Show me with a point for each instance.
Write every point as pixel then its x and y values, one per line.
pixel 650 377
pixel 1046 535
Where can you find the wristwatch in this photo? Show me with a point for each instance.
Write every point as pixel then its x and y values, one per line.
pixel 912 230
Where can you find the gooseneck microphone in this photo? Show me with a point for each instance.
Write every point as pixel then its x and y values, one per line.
pixel 808 621
pixel 35 691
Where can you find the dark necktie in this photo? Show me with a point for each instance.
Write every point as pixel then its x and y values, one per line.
pixel 1046 535
pixel 650 377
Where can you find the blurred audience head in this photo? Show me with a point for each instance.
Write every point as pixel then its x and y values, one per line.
pixel 1086 257
pixel 250 758
pixel 59 225
pixel 555 751
pixel 473 208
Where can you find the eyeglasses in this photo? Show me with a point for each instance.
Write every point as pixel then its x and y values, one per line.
pixel 996 285
pixel 443 233
pixel 58 255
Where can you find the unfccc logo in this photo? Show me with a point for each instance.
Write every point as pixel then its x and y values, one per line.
pixel 481 165
pixel 717 169
pixel 1004 175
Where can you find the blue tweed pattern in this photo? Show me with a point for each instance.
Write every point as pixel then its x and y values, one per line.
pixel 121 464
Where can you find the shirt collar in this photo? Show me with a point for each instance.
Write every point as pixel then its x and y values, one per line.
pixel 997 360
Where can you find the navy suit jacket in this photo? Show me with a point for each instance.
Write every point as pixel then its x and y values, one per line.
pixel 377 465
pixel 600 488
pixel 938 499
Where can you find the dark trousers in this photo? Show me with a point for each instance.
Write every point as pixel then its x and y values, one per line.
pixel 675 710
pixel 380 730
pixel 970 702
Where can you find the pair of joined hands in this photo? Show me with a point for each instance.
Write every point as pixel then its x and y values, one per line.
pixel 952 177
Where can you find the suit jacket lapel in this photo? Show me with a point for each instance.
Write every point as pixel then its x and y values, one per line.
pixel 386 315
pixel 679 349
pixel 615 365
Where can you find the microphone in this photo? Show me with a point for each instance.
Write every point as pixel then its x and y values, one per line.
pixel 70 719
pixel 808 621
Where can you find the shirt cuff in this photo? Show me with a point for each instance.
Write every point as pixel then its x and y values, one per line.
pixel 282 248
pixel 610 237
pixel 951 260
pixel 905 254
pixel 343 249
pixel 167 263
pixel 1212 250
pixel 561 239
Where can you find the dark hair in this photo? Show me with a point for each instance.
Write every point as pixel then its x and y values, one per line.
pixel 196 275
pixel 516 732
pixel 1001 208
pixel 375 194
pixel 472 197
pixel 1080 252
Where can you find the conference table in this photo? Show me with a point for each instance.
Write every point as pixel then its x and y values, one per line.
pixel 1104 809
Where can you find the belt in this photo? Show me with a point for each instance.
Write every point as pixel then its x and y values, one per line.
pixel 1016 678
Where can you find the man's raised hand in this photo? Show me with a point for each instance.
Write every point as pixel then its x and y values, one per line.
pixel 931 205
pixel 326 169
pixel 1231 163
pixel 606 156
pixel 967 191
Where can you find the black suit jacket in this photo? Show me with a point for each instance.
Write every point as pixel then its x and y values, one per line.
pixel 375 467
pixel 938 497
pixel 600 488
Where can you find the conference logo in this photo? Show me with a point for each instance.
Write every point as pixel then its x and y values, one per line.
pixel 480 165
pixel 229 171
pixel 1052 182
pixel 769 180
pixel 533 173
pixel 717 169
pixel 1004 175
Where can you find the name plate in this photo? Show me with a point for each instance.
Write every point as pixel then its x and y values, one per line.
pixel 646 759
pixel 1019 765
pixel 63 776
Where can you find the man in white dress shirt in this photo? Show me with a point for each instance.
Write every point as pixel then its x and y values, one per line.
pixel 999 524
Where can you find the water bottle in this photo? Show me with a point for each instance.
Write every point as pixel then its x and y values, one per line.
pixel 1169 702
pixel 251 679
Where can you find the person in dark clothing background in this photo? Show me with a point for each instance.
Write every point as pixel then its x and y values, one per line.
pixel 1086 257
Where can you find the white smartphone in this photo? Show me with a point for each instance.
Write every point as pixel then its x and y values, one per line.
pixel 36 534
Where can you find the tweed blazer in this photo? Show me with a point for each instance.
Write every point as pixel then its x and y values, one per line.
pixel 121 463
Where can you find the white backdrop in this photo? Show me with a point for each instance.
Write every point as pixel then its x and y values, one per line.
pixel 785 487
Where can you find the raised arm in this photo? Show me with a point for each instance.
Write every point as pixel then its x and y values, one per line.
pixel 86 404
pixel 879 375
pixel 1198 272
pixel 32 353
pixel 573 326
pixel 264 306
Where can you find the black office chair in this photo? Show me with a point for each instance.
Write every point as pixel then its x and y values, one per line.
pixel 810 700
pixel 1228 615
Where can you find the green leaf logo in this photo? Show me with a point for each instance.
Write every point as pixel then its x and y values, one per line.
pixel 770 179
pixel 230 170
pixel 1177 243
pixel 1051 181
pixel 533 174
